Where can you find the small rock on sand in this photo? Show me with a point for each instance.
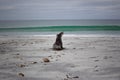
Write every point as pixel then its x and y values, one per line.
pixel 70 77
pixel 17 54
pixel 21 74
pixel 46 60
pixel 75 77
pixel 34 62
pixel 22 65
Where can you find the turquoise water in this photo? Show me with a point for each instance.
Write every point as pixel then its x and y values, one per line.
pixel 55 26
pixel 61 28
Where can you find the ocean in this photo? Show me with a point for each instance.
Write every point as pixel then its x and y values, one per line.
pixel 47 27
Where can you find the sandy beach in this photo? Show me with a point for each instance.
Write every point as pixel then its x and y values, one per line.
pixel 84 58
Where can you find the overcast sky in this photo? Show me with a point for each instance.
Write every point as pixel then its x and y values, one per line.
pixel 59 9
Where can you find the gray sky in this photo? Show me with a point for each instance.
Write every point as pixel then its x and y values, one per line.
pixel 59 9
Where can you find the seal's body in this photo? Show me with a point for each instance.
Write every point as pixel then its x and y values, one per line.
pixel 58 43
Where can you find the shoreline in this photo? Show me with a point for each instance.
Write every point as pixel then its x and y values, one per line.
pixel 65 35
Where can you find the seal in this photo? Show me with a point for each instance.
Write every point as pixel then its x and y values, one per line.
pixel 58 45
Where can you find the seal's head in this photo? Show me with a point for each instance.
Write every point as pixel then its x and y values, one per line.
pixel 60 34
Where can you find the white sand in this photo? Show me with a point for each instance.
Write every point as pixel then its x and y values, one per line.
pixel 85 58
